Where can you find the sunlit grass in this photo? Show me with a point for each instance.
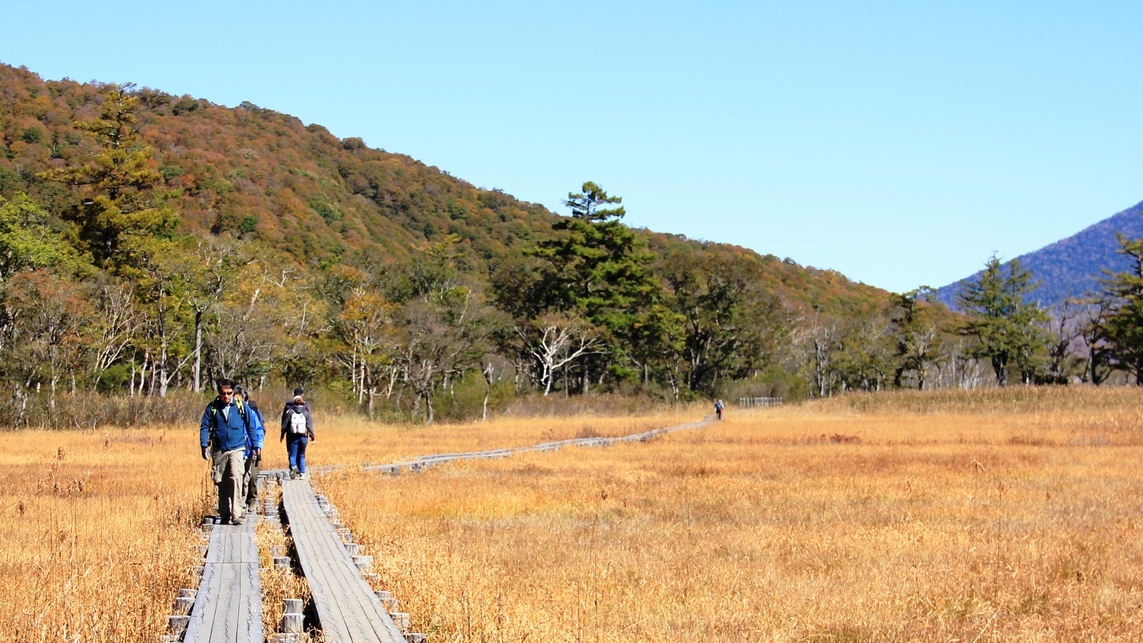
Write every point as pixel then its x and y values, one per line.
pixel 990 517
pixel 97 532
pixel 98 528
pixel 994 515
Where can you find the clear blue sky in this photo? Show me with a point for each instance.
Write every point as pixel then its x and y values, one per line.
pixel 900 143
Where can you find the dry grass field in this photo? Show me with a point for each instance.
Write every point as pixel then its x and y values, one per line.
pixel 995 515
pixel 97 532
pixel 98 528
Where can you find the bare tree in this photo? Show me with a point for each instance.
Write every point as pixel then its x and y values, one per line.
pixel 208 272
pixel 444 337
pixel 53 317
pixel 365 326
pixel 554 341
pixel 117 325
pixel 818 339
pixel 1097 352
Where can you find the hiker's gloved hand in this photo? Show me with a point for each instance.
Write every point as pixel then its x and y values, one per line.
pixel 258 453
pixel 206 453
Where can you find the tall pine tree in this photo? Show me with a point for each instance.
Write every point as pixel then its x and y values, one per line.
pixel 117 185
pixel 1006 326
pixel 1123 326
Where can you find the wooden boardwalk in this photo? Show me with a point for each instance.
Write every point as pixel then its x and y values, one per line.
pixel 228 605
pixel 347 608
pixel 425 461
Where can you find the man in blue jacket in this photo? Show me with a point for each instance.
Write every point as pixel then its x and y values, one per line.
pixel 225 431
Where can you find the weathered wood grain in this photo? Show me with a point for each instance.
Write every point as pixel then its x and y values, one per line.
pixel 228 604
pixel 347 608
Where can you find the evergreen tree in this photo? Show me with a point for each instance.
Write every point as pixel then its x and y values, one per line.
pixel 1123 326
pixel 596 267
pixel 1005 326
pixel 117 184
pixel 917 339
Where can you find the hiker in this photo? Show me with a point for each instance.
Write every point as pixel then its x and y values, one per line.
pixel 718 406
pixel 297 431
pixel 224 434
pixel 253 457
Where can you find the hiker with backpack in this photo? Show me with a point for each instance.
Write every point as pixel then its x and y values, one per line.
pixel 297 431
pixel 253 457
pixel 224 433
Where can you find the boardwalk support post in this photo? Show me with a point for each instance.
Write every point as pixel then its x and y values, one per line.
pixel 292 620
pixel 183 605
pixel 387 600
pixel 178 624
pixel 292 623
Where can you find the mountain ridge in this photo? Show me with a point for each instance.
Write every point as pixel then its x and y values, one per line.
pixel 1073 266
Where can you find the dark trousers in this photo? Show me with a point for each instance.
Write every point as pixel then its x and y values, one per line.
pixel 253 468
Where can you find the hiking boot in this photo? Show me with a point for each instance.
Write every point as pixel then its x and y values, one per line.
pixel 236 521
pixel 293 473
pixel 251 507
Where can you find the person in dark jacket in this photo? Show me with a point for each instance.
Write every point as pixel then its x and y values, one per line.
pixel 297 431
pixel 224 433
pixel 253 457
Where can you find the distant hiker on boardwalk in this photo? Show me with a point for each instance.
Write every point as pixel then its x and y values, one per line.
pixel 252 455
pixel 718 406
pixel 297 431
pixel 224 433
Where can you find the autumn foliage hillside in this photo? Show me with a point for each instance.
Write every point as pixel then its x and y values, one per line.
pixel 258 174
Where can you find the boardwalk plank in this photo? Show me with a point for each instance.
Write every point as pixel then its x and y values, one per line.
pixel 348 609
pixel 228 605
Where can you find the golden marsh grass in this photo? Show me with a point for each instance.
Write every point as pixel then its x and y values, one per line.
pixel 98 532
pixel 993 515
pixel 984 516
pixel 98 528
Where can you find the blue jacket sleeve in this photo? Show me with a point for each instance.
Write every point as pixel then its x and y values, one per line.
pixel 204 429
pixel 257 429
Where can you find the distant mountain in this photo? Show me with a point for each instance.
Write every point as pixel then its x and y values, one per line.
pixel 1072 266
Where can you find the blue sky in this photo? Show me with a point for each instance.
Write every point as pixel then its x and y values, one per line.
pixel 900 143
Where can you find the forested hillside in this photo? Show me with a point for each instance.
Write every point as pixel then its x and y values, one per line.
pixel 153 242
pixel 258 174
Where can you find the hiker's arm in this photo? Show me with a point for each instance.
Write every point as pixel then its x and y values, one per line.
pixel 204 433
pixel 257 434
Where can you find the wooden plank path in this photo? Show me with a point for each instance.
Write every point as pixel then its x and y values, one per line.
pixel 347 608
pixel 228 605
pixel 425 461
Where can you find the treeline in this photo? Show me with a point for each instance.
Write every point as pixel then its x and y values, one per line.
pixel 1003 337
